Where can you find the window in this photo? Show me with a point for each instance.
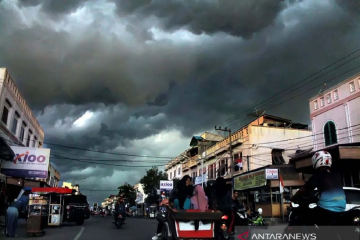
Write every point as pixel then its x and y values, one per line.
pixel 22 131
pixel 171 175
pixel 15 122
pixel 178 171
pixel 352 87
pixel 5 114
pixel 336 95
pixel 35 141
pixel 238 162
pixel 174 173
pixel 28 139
pixel 328 97
pixel 330 133
pixel 316 105
pixel 322 102
pixel 277 157
pixel 352 196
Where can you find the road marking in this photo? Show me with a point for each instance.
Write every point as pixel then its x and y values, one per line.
pixel 79 234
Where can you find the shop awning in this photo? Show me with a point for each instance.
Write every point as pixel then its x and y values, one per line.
pixel 6 153
pixel 48 190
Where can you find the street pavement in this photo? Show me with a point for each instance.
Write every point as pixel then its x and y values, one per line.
pixel 96 228
pixel 102 228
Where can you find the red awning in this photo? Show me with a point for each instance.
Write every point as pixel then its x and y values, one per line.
pixel 52 190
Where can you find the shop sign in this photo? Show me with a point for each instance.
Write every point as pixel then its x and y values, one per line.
pixel 28 163
pixel 200 179
pixel 166 185
pixel 272 174
pixel 250 180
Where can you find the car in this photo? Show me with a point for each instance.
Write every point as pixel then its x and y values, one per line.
pixel 77 209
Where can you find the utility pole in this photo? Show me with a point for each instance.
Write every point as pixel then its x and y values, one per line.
pixel 248 163
pixel 230 152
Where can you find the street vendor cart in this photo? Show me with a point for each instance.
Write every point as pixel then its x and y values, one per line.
pixel 55 203
pixel 45 209
pixel 192 224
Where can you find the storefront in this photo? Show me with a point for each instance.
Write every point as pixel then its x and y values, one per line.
pixel 345 159
pixel 261 188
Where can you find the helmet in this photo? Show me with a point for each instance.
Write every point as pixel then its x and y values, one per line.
pixel 321 159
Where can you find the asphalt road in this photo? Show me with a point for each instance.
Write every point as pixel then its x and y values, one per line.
pixel 96 228
pixel 102 228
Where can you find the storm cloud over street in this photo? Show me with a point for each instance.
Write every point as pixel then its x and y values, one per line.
pixel 141 77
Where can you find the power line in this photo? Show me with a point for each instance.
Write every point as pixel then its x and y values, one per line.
pixel 112 160
pixel 96 151
pixel 108 164
pixel 307 78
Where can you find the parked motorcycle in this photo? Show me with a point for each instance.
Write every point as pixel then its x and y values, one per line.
pixel 256 219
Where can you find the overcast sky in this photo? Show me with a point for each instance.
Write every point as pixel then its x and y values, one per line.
pixel 143 76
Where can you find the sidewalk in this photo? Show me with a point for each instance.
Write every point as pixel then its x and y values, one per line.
pixel 21 229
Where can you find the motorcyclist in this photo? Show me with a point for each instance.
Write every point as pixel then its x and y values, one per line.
pixel 120 208
pixel 330 188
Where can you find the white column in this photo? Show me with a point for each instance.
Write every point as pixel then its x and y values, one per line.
pixel 348 122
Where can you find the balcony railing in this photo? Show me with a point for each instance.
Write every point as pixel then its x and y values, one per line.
pixel 185 166
pixel 239 136
pixel 193 161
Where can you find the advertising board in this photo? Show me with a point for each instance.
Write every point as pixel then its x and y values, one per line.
pixel 250 180
pixel 272 173
pixel 28 163
pixel 166 185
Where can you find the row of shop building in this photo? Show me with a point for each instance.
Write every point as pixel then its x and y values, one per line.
pixel 274 144
pixel 20 133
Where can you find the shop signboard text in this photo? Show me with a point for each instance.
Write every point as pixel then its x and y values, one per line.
pixel 28 163
pixel 250 180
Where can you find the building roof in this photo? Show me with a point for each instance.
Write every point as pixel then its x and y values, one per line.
pixel 334 87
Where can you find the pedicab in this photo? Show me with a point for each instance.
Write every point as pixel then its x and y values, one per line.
pixel 194 224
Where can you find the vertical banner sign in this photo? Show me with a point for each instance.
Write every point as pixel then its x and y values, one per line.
pixel 28 163
pixel 166 185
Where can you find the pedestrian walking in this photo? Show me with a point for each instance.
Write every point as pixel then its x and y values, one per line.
pixel 12 215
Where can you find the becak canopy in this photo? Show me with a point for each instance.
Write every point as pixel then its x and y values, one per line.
pixel 48 190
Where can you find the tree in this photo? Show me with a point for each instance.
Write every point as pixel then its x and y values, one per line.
pixel 129 193
pixel 151 182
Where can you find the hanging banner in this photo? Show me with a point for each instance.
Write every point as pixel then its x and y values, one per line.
pixel 28 163
pixel 250 180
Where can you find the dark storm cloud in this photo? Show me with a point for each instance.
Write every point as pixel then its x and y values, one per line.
pixel 138 89
pixel 238 18
pixel 54 7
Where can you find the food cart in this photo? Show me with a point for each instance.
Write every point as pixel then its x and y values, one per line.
pixel 56 203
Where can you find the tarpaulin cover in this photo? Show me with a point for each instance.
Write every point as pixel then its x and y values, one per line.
pixel 52 190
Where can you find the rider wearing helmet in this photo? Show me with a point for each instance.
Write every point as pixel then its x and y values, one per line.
pixel 330 188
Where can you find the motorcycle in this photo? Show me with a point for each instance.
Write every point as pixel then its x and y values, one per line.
pixel 298 217
pixel 223 234
pixel 119 221
pixel 258 219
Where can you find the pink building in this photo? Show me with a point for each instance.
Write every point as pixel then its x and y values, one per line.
pixel 335 114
